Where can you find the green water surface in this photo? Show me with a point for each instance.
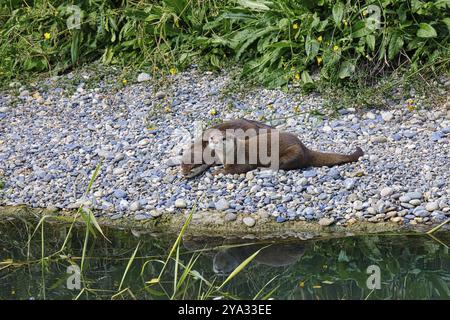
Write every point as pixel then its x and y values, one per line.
pixel 410 266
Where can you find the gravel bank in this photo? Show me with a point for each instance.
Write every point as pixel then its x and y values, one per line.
pixel 51 141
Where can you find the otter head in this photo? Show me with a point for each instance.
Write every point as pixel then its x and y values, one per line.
pixel 224 263
pixel 189 168
pixel 193 161
pixel 217 141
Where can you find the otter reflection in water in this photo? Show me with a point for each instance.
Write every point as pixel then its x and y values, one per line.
pixel 225 260
pixel 275 255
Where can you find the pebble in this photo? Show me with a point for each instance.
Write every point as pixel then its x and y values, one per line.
pixel 387 116
pixel 414 195
pixel 143 77
pixel 378 139
pixel 358 205
pixel 180 203
pixel 349 183
pixel 432 206
pixel 156 213
pixel 309 174
pixel 280 219
pixel 222 205
pixel 120 194
pixel 326 221
pixel 230 217
pixel 386 192
pixel 135 206
pixel 249 221
pixel 51 162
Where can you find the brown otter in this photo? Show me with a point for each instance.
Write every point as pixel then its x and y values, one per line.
pixel 191 168
pixel 282 150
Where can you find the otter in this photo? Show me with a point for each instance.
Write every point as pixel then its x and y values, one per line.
pixel 189 167
pixel 275 255
pixel 289 153
pixel 228 253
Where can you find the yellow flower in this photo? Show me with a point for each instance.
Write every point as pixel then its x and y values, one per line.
pixel 47 35
pixel 213 112
pixel 319 38
pixel 317 286
pixel 335 48
pixel 302 284
pixel 319 60
pixel 124 81
pixel 270 107
pixel 167 109
pixel 365 13
pixel 345 22
pixel 173 71
pixel 297 76
pixel 297 109
pixel 295 26
pixel 410 105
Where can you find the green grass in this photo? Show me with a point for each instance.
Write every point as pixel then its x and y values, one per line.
pixel 275 42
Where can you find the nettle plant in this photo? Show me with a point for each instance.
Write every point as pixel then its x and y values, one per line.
pixel 282 41
pixel 277 41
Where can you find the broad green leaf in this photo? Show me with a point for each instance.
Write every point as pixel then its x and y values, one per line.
pixel 306 78
pixel 214 61
pixel 311 48
pixel 426 31
pixel 360 30
pixel 395 45
pixel 255 5
pixel 338 12
pixel 370 40
pixel 347 68
pixel 447 22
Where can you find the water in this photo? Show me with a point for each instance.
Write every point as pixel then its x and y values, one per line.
pixel 410 267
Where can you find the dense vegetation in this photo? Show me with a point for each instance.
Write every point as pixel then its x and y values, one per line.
pixel 276 41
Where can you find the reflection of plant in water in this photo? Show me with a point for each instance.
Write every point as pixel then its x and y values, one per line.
pixel 411 266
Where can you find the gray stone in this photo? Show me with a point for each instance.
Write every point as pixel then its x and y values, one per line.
pixel 378 139
pixel 326 221
pixel 230 217
pixel 120 194
pixel 387 116
pixel 386 192
pixel 249 221
pixel 432 206
pixel 415 202
pixel 135 206
pixel 222 205
pixel 414 195
pixel 349 183
pixel 143 77
pixel 357 205
pixel 180 203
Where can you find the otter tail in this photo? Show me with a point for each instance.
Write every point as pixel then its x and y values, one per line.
pixel 320 159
